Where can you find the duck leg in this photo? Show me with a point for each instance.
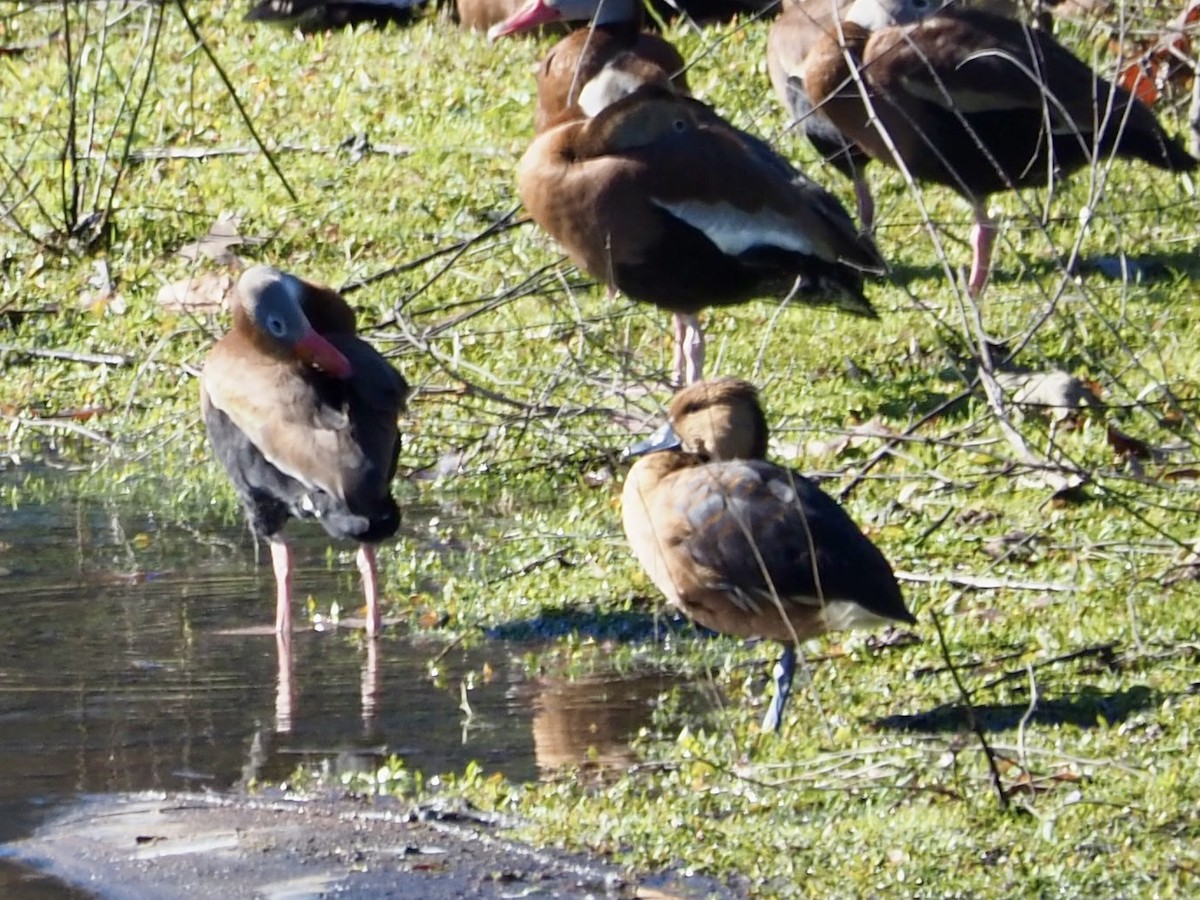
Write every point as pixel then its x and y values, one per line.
pixel 689 350
pixel 785 668
pixel 370 580
pixel 983 235
pixel 285 686
pixel 281 562
pixel 865 203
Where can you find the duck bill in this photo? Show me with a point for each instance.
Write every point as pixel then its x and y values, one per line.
pixel 532 15
pixel 317 351
pixel 663 439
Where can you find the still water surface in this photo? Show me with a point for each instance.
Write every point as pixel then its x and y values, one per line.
pixel 135 655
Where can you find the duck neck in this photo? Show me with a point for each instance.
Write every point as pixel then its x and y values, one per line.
pixel 612 13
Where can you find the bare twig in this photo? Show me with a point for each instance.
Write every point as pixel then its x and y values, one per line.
pixel 95 359
pixel 972 718
pixel 234 97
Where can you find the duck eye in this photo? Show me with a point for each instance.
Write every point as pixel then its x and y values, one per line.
pixel 276 326
pixel 679 125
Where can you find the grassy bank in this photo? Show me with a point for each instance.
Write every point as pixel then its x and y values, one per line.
pixel 1058 552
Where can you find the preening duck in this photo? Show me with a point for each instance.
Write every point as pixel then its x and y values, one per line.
pixel 660 197
pixel 615 31
pixel 302 414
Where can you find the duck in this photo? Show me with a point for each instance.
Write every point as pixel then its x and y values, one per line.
pixel 743 546
pixel 322 15
pixel 795 32
pixel 659 197
pixel 958 97
pixel 615 34
pixel 302 413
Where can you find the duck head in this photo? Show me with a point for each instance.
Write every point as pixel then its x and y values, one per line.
pixel 268 305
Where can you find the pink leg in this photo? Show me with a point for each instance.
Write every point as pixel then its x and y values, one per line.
pixel 281 561
pixel 369 684
pixel 370 580
pixel 689 350
pixel 678 360
pixel 865 203
pixel 983 234
pixel 284 686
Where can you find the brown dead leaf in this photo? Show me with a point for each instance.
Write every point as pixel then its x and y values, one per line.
pixel 1057 393
pixel 1127 446
pixel 223 235
pixel 205 292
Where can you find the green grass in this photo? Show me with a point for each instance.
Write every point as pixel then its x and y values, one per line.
pixel 877 784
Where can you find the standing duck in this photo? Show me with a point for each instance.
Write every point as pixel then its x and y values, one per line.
pixel 800 27
pixel 302 414
pixel 976 102
pixel 660 197
pixel 743 546
pixel 616 31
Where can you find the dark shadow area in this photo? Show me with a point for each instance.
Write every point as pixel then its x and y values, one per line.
pixel 1087 709
pixel 627 627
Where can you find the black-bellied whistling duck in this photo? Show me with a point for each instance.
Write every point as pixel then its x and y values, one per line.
pixel 799 28
pixel 977 102
pixel 319 15
pixel 741 545
pixel 302 414
pixel 660 197
pixel 616 30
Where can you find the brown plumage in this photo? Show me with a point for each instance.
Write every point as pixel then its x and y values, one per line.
pixel 799 28
pixel 660 197
pixel 616 31
pixel 743 546
pixel 976 102
pixel 302 414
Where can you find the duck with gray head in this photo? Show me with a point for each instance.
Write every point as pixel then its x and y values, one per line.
pixel 302 414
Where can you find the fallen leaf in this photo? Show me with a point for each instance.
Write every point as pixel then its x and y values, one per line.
pixel 218 243
pixel 206 292
pixel 1127 446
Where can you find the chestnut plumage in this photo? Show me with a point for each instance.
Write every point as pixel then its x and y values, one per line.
pixel 615 32
pixel 800 27
pixel 976 102
pixel 302 414
pixel 660 197
pixel 741 545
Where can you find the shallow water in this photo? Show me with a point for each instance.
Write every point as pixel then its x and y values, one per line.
pixel 135 655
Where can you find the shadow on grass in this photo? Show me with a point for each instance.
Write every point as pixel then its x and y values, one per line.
pixel 1086 709
pixel 630 627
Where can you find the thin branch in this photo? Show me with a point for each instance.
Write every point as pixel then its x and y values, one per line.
pixel 972 718
pixel 233 96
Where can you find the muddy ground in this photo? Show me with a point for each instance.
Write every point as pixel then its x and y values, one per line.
pixel 156 846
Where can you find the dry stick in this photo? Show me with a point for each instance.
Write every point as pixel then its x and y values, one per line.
pixel 68 208
pixel 972 719
pixel 503 224
pixel 1105 652
pixel 64 424
pixel 137 111
pixel 983 584
pixel 154 154
pixel 449 264
pixel 95 359
pixel 883 451
pixel 195 32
